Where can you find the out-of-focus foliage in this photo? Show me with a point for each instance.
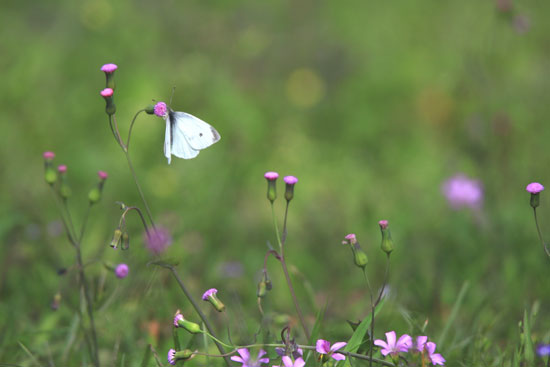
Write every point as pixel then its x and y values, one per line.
pixel 371 104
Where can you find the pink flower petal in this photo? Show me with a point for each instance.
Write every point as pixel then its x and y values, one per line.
pixel 390 336
pixel 245 354
pixel 437 359
pixel 287 361
pixel 237 359
pixel 338 356
pixel 322 346
pixel 337 346
pixel 299 363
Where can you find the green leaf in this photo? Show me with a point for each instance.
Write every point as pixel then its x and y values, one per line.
pixel 146 356
pixel 529 349
pixel 361 331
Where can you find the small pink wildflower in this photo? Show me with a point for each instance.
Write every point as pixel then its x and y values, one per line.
pixel 106 93
pixel 62 168
pixel 157 240
pixel 247 361
pixel 392 347
pixel 102 175
pixel 177 318
pixel 462 191
pixel 534 188
pixel 121 271
pixel 109 68
pixel 48 155
pixel 287 361
pixel 323 347
pixel 160 109
pixel 383 224
pixel 290 180
pixel 271 176
pixel 350 239
pixel 172 356
pixel 420 343
pixel 435 358
pixel 209 293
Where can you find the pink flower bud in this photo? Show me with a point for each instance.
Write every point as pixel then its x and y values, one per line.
pixel 383 224
pixel 62 168
pixel 290 180
pixel 534 188
pixel 121 271
pixel 106 93
pixel 48 155
pixel 102 175
pixel 160 109
pixel 109 68
pixel 271 176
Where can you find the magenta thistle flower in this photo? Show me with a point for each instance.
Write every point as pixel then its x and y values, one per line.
pixel 435 358
pixel 177 318
pixel 420 343
pixel 392 347
pixel 172 356
pixel 48 155
pixel 383 224
pixel 160 109
pixel 157 240
pixel 109 68
pixel 290 180
pixel 247 361
pixel 121 271
pixel 323 347
pixel 102 175
pixel 209 293
pixel 106 93
pixel 271 176
pixel 287 361
pixel 462 191
pixel 62 168
pixel 534 188
pixel 350 239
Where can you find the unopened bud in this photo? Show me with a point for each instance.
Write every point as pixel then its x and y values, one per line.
pixel 359 256
pixel 180 321
pixel 95 194
pixel 150 109
pixel 64 189
pixel 125 241
pixel 290 182
pixel 271 178
pixel 50 175
pixel 211 296
pixel 110 107
pixel 116 238
pixel 262 289
pixel 387 243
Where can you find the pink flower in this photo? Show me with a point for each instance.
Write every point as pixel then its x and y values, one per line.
pixel 287 361
pixel 435 358
pixel 290 180
pixel 462 191
pixel 62 168
pixel 177 318
pixel 323 347
pixel 102 175
pixel 247 361
pixel 157 240
pixel 383 224
pixel 160 109
pixel 48 155
pixel 350 239
pixel 109 68
pixel 172 356
pixel 420 343
pixel 271 176
pixel 534 188
pixel 391 347
pixel 106 93
pixel 209 293
pixel 121 271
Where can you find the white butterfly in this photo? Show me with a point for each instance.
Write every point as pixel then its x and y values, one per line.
pixel 186 135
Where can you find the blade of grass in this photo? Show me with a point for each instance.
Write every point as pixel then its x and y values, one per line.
pixel 146 356
pixel 454 312
pixel 28 352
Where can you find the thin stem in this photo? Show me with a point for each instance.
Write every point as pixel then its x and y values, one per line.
pixel 139 189
pixel 284 222
pixel 199 312
pixel 114 128
pixel 386 277
pixel 276 227
pixel 216 339
pixel 294 299
pixel 540 234
pixel 131 126
pixel 84 222
pixel 371 316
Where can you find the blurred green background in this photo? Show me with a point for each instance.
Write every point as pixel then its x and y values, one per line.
pixel 372 105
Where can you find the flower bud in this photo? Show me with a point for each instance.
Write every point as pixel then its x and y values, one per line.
pixel 211 296
pixel 50 175
pixel 110 107
pixel 109 70
pixel 150 109
pixel 182 355
pixel 116 238
pixel 95 194
pixel 262 289
pixel 387 242
pixel 359 256
pixel 290 182
pixel 271 185
pixel 64 189
pixel 190 326
pixel 125 241
pixel 534 188
pixel 121 271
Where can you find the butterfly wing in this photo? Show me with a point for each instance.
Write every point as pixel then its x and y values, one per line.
pixel 168 140
pixel 199 134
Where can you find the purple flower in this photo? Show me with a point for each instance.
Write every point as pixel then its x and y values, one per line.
pixel 62 168
pixel 157 240
pixel 420 343
pixel 462 191
pixel 102 175
pixel 177 318
pixel 106 93
pixel 209 293
pixel 48 155
pixel 534 188
pixel 172 356
pixel 290 180
pixel 392 347
pixel 121 271
pixel 271 176
pixel 323 347
pixel 350 239
pixel 543 350
pixel 247 361
pixel 435 358
pixel 160 109
pixel 287 361
pixel 383 224
pixel 109 68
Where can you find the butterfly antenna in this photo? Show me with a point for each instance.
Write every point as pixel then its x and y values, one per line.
pixel 173 91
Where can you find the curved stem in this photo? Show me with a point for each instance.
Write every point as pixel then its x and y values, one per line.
pixel 84 222
pixel 276 227
pixel 131 126
pixel 294 299
pixel 139 189
pixel 540 234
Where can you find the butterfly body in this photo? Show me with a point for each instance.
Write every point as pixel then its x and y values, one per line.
pixel 186 135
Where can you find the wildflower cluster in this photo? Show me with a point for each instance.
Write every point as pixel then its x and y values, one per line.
pixel 422 347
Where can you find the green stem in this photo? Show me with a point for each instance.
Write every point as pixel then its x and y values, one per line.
pixel 371 316
pixel 198 310
pixel 540 234
pixel 84 222
pixel 131 126
pixel 217 340
pixel 276 227
pixel 147 210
